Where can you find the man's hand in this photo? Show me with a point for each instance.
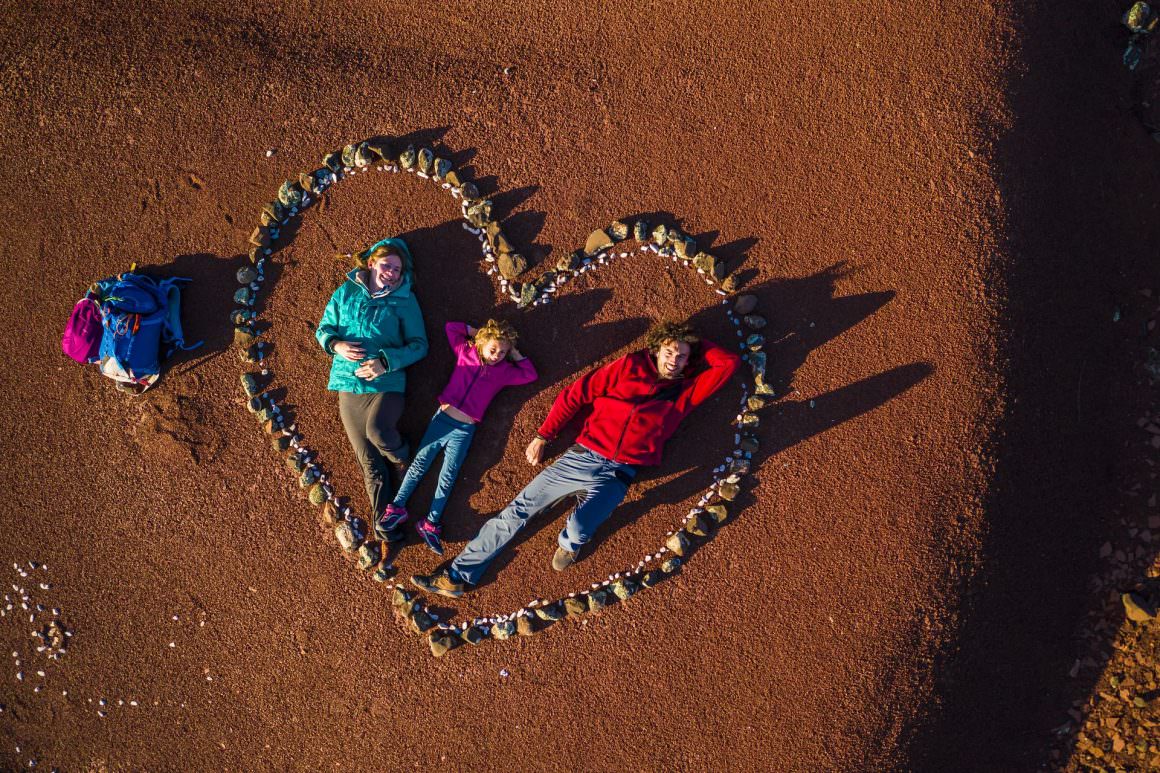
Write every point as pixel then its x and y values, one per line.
pixel 349 350
pixel 535 452
pixel 371 369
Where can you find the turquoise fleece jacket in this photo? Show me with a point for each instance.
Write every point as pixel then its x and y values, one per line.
pixel 389 326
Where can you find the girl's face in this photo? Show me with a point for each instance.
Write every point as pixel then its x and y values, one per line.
pixel 386 271
pixel 492 351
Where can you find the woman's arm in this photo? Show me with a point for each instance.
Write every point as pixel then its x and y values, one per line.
pixel 327 331
pixel 414 346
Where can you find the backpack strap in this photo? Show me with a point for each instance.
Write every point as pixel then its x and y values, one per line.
pixel 172 333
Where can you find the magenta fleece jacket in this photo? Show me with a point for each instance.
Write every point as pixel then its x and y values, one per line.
pixel 473 384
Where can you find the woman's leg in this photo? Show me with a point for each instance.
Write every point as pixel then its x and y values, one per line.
pixel 433 440
pixel 353 410
pixel 455 451
pixel 382 426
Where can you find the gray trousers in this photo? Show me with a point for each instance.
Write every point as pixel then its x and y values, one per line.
pixel 599 484
pixel 370 421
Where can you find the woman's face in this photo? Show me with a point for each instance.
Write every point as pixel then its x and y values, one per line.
pixel 492 351
pixel 386 271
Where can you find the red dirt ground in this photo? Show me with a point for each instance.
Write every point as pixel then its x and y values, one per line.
pixel 927 198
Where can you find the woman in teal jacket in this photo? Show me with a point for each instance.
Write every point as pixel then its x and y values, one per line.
pixel 373 330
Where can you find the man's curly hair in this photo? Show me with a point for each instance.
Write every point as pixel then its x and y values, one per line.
pixel 665 332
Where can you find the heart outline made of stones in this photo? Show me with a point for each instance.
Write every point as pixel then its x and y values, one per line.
pixel 279 221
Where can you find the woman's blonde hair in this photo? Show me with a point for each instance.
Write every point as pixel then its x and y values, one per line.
pixel 495 330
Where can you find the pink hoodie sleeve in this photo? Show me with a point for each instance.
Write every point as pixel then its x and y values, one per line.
pixel 456 334
pixel 521 372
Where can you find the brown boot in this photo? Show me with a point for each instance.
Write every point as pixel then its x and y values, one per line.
pixel 440 583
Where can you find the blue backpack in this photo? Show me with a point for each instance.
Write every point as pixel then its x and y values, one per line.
pixel 141 325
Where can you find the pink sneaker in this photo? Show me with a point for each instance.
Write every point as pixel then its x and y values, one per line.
pixel 431 532
pixel 392 518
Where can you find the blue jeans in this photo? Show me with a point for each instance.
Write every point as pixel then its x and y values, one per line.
pixel 451 437
pixel 599 485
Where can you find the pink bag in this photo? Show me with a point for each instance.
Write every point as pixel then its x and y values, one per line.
pixel 82 334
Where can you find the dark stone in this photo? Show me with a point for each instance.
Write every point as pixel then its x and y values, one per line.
pixel 511 265
pixel 316 494
pixel 469 191
pixel 473 634
pixel 598 599
pixel 363 155
pixel 426 160
pixel 421 622
pixel 330 514
pixel 505 629
pixel 333 161
pixel 671 566
pixel 597 242
pixel 369 554
pixel 244 336
pixel 382 149
pixel 574 607
pixel 407 158
pixel 618 231
pixel 281 444
pixel 401 598
pixel 651 577
pixel 441 168
pixel 250 386
pixel 717 512
pixel 244 296
pixel 383 573
pixel 528 293
pixel 728 491
pixel 640 230
pixel 345 534
pixel 442 642
pixel 754 321
pixel 677 543
pixel 348 155
pixel 525 626
pixel 697 526
pixel 550 612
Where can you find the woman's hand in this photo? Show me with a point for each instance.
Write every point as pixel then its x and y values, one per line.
pixel 349 350
pixel 371 369
pixel 535 452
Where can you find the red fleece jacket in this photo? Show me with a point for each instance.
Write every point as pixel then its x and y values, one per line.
pixel 634 410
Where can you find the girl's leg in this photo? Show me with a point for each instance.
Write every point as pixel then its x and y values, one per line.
pixel 433 441
pixel 353 410
pixel 458 441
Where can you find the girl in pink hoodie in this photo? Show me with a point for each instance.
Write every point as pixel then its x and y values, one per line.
pixel 486 361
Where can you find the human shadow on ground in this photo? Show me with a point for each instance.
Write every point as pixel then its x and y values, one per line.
pixel 804 314
pixel 1072 170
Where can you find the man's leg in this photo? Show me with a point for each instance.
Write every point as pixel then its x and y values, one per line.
pixel 606 493
pixel 570 474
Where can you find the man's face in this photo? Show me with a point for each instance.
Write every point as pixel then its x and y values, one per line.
pixel 672 358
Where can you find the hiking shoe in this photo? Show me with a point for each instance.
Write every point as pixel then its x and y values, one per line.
pixel 392 518
pixel 431 532
pixel 440 583
pixel 563 559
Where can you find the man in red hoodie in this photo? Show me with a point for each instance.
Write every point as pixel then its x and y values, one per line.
pixel 638 401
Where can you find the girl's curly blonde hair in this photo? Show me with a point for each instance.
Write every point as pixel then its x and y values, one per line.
pixel 495 330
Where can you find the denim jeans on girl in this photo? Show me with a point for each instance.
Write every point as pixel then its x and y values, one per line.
pixel 599 485
pixel 451 437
